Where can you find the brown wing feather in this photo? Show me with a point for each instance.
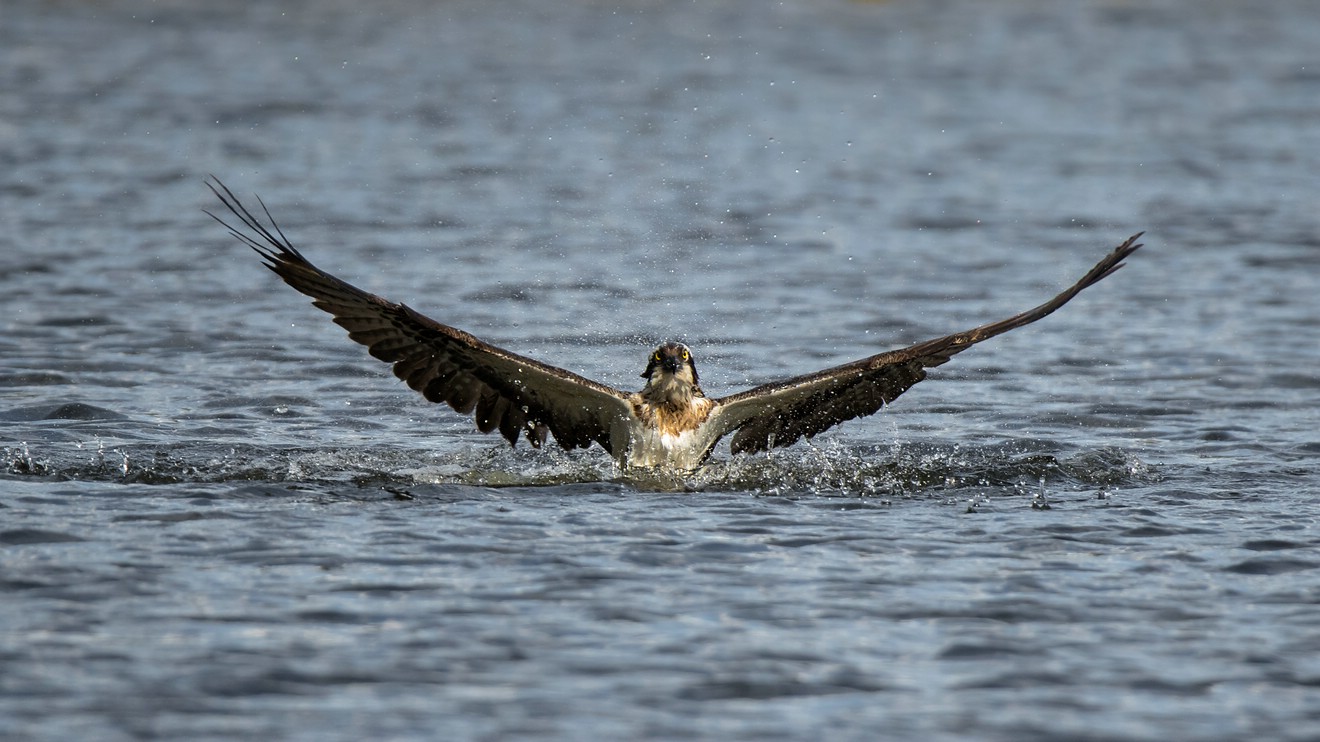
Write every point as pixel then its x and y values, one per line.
pixel 502 390
pixel 780 413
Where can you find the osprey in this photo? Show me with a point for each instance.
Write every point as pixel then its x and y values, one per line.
pixel 670 424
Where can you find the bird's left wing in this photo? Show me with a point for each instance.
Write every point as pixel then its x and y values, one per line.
pixel 502 390
pixel 779 413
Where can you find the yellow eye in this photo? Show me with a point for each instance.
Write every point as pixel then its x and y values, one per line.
pixel 685 355
pixel 656 357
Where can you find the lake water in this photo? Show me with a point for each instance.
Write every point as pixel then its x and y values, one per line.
pixel 221 520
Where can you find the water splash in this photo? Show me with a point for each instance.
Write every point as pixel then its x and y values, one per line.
pixel 832 468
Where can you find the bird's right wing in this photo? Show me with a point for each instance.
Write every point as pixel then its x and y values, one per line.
pixel 502 390
pixel 779 413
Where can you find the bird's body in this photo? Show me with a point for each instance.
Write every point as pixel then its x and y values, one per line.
pixel 669 424
pixel 668 427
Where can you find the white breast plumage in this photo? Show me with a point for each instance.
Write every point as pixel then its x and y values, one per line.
pixel 652 448
pixel 659 436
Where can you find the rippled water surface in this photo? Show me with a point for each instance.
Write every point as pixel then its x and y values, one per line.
pixel 221 520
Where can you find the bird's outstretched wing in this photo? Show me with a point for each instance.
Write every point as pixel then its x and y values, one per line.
pixel 779 413
pixel 503 390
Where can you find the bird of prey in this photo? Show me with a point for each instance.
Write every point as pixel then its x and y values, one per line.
pixel 670 424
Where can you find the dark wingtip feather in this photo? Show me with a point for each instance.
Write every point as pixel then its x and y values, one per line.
pixel 1115 260
pixel 272 246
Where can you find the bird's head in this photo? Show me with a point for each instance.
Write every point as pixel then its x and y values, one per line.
pixel 669 363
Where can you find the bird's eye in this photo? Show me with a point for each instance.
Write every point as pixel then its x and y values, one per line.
pixel 685 355
pixel 656 357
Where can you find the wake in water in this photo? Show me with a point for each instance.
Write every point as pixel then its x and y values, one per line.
pixel 833 468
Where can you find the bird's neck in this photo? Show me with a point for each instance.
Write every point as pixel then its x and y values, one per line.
pixel 668 391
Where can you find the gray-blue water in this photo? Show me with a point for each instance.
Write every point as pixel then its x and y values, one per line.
pixel 221 520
